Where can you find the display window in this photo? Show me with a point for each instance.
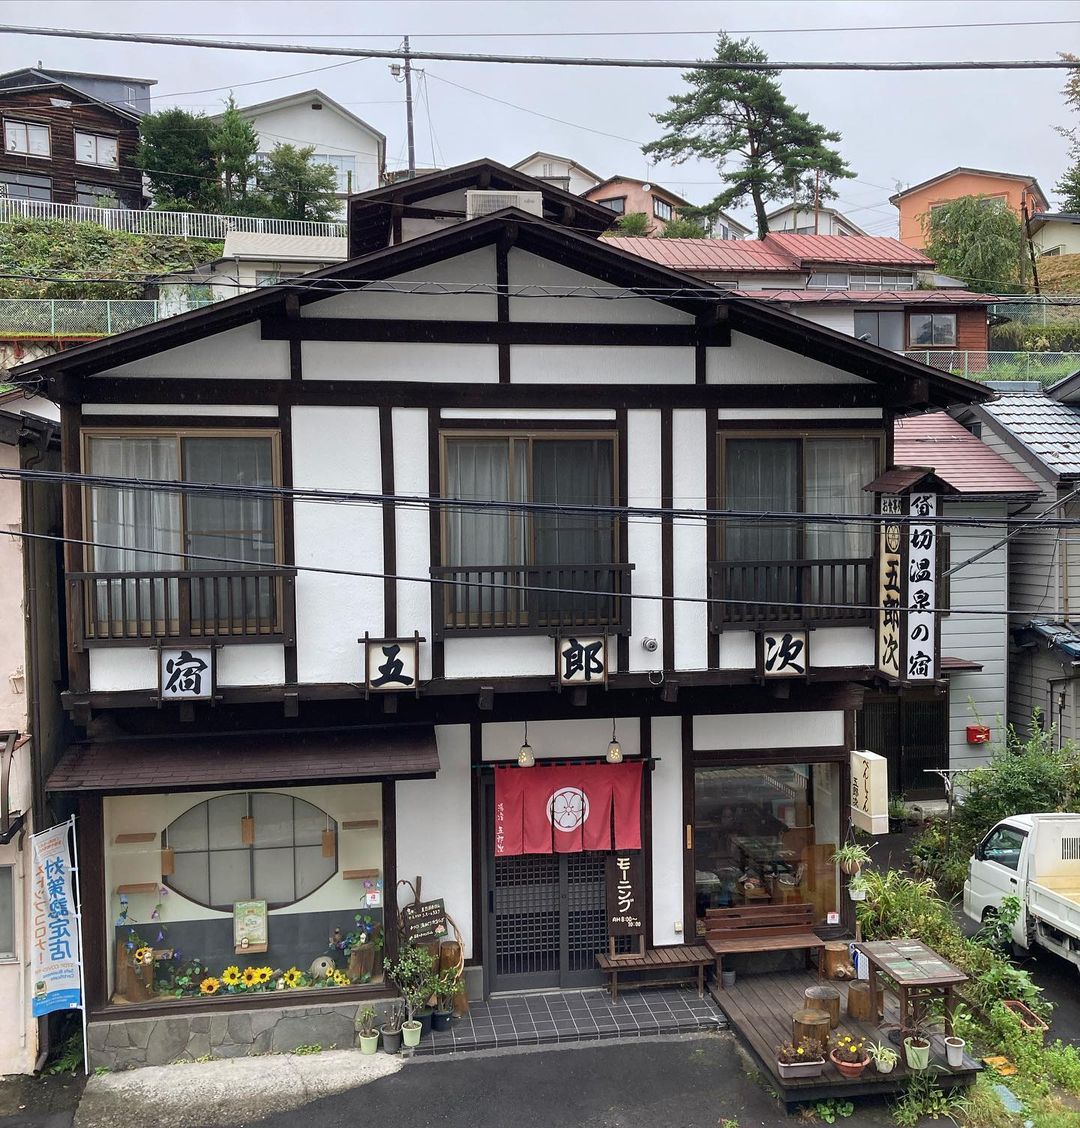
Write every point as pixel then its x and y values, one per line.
pixel 219 894
pixel 765 834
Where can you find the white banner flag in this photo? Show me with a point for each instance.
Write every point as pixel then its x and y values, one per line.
pixel 56 967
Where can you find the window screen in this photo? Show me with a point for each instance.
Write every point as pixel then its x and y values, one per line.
pixel 7 911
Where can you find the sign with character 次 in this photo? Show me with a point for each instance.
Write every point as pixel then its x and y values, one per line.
pixel 783 653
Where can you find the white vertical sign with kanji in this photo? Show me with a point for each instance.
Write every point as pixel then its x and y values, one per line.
pixel 889 587
pixel 922 535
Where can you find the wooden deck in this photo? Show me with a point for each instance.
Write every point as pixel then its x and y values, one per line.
pixel 759 1008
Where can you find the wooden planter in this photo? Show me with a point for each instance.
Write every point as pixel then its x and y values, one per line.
pixel 361 963
pixel 796 1069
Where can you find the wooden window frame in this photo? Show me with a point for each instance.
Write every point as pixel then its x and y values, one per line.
pixel 26 123
pixel 932 314
pixel 607 201
pixel 98 136
pixel 657 204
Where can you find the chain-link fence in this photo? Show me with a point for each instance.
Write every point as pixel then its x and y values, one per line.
pixel 77 317
pixel 1045 367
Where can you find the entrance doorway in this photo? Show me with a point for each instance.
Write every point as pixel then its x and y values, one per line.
pixel 546 918
pixel 911 730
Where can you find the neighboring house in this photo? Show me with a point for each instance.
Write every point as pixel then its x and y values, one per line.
pixel 800 219
pixel 1014 190
pixel 625 196
pixel 866 286
pixel 561 171
pixel 114 90
pixel 31 721
pixel 63 146
pixel 1039 433
pixel 249 260
pixel 334 697
pixel 353 148
pixel 922 730
pixel 1055 233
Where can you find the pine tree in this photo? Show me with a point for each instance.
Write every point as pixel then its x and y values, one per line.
pixel 234 144
pixel 761 144
pixel 292 186
pixel 175 153
pixel 1068 187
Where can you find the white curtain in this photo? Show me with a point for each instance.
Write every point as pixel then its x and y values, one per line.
pixel 836 471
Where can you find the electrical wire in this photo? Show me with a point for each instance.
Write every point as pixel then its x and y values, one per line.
pixel 538 60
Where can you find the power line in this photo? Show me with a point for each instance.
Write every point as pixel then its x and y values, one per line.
pixel 254 81
pixel 538 60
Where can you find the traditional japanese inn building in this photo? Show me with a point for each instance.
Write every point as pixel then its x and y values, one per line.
pixel 457 612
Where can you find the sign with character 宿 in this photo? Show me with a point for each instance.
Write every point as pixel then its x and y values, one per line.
pixel 186 673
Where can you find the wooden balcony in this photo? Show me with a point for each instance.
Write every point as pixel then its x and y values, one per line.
pixel 140 608
pixel 777 593
pixel 526 599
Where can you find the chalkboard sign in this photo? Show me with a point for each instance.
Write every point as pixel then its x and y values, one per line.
pixel 625 894
pixel 424 921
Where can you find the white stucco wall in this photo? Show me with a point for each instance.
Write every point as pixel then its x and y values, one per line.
pixel 667 831
pixel 690 540
pixel 749 360
pixel 236 354
pixel 644 537
pixel 740 731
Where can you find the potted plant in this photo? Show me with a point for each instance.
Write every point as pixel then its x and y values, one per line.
pixel 369 1036
pixel 803 1060
pixel 917 1050
pixel 897 814
pixel 954 1052
pixel 446 988
pixel 849 1056
pixel 857 887
pixel 884 1057
pixel 851 857
pixel 391 1029
pixel 413 972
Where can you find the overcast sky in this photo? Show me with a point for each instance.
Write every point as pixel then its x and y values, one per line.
pixel 897 128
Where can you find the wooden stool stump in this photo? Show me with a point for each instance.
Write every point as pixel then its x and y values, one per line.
pixel 836 960
pixel 824 998
pixel 861 1004
pixel 814 1024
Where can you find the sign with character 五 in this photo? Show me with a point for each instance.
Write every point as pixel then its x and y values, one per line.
pixel 392 664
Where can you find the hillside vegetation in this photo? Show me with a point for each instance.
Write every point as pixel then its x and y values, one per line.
pixel 1060 274
pixel 35 249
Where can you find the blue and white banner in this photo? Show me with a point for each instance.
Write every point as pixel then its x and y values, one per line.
pixel 55 965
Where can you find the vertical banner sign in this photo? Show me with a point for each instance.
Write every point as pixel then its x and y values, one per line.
pixel 889 588
pixel 870 792
pixel 56 963
pixel 921 654
pixel 625 908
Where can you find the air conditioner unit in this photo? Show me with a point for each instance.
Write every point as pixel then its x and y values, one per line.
pixel 479 203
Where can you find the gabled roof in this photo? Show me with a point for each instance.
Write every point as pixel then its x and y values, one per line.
pixel 1048 431
pixel 53 73
pixel 599 259
pixel 957 456
pixel 69 91
pixel 371 213
pixel 312 95
pixel 905 479
pixel 1040 219
pixel 1028 181
pixel 633 180
pixel 778 252
pixel 555 157
pixel 809 209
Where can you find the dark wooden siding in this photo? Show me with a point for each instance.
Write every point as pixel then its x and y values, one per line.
pixel 37 106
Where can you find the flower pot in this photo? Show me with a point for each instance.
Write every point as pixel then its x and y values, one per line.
pixel 896 826
pixel 850 868
pixel 727 978
pixel 917 1053
pixel 369 1043
pixel 411 1031
pixel 849 1069
pixel 857 894
pixel 391 1041
pixel 954 1052
pixel 884 1066
pixel 440 1020
pixel 801 1068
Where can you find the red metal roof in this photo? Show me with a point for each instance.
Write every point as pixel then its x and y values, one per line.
pixel 867 250
pixel 957 456
pixel 842 297
pixel 709 254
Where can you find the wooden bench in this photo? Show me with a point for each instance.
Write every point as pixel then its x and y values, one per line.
pixel 695 957
pixel 761 928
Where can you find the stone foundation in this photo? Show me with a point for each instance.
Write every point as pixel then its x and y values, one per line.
pixel 127 1043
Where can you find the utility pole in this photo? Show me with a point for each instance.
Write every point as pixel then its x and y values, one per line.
pixel 817 199
pixel 409 111
pixel 1030 243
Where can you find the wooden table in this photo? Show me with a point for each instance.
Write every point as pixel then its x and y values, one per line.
pixel 918 974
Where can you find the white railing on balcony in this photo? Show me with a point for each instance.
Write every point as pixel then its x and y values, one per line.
pixel 1045 367
pixel 77 317
pixel 183 225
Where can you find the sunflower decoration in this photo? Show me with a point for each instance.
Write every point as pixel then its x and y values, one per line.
pixel 265 974
pixel 339 979
pixel 231 976
pixel 209 986
pixel 250 977
pixel 143 955
pixel 294 977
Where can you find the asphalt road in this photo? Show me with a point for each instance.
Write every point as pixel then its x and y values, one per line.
pixel 690 1082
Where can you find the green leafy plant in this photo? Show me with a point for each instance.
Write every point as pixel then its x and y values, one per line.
pixel 882 1054
pixel 805 1050
pixel 851 857
pixel 832 1109
pixel 447 985
pixel 395 1015
pixel 923 1098
pixel 69 1057
pixel 897 807
pixel 978 239
pixel 312 1048
pixel 367 1021
pixel 849 1047
pixel 631 225
pixel 413 973
pixel 683 229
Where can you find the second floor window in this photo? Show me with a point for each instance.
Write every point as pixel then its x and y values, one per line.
pixel 23 186
pixel 28 138
pixel 616 203
pixel 662 209
pixel 97 149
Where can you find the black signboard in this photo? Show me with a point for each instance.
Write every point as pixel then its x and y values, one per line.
pixel 424 921
pixel 625 894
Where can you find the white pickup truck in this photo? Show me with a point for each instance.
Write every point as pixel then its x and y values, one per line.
pixel 1035 858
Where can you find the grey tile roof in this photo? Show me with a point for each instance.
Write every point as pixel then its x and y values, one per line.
pixel 1050 430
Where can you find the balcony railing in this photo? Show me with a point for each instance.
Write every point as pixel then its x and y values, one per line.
pixel 182 225
pixel 763 593
pixel 540 599
pixel 1046 367
pixel 129 608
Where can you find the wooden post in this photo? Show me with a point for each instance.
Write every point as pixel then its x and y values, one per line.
pixel 861 1003
pixel 824 998
pixel 810 1024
